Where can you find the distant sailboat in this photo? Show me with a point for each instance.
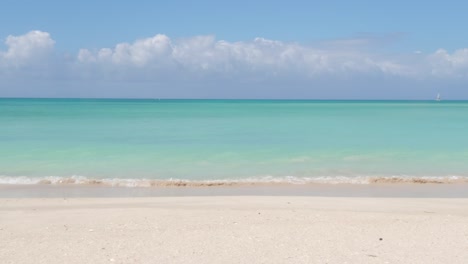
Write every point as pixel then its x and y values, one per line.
pixel 438 97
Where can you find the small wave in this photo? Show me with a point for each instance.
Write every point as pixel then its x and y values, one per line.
pixel 265 180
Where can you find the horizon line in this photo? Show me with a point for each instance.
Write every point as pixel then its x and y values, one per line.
pixel 233 99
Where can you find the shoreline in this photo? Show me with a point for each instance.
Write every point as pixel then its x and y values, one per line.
pixel 265 180
pixel 234 229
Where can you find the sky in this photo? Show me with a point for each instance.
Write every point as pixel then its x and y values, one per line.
pixel 234 49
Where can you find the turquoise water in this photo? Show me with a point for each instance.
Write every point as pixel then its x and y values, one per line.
pixel 235 140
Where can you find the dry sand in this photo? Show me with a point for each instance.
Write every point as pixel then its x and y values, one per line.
pixel 239 229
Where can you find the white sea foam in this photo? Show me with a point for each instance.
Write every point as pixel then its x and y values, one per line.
pixel 81 180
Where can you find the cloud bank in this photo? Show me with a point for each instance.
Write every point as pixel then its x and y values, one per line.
pixel 261 57
pixel 202 59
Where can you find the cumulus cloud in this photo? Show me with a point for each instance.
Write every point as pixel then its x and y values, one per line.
pixel 27 49
pixel 140 53
pixel 444 64
pixel 201 56
pixel 205 54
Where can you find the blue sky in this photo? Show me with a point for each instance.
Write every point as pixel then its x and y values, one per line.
pixel 286 49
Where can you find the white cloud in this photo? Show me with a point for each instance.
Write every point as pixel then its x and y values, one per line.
pixel 140 53
pixel 444 64
pixel 26 49
pixel 204 54
pixel 200 56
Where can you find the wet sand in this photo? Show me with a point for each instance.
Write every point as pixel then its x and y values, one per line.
pixel 426 190
pixel 234 229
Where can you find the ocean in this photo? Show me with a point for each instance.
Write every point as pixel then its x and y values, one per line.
pixel 155 142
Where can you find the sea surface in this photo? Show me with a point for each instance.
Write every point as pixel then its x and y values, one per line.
pixel 165 142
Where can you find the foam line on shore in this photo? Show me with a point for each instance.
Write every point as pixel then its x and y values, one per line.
pixel 267 180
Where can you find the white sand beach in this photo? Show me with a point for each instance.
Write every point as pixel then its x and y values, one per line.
pixel 234 229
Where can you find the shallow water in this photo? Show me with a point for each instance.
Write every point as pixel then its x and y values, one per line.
pixel 140 142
